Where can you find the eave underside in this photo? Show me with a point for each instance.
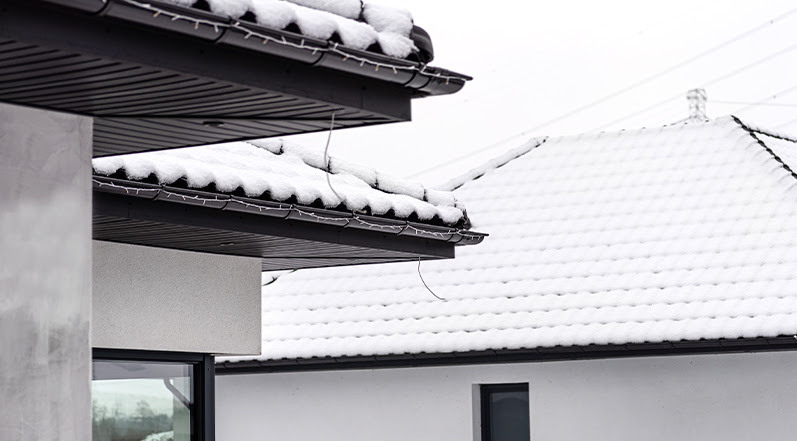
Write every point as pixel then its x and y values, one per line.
pixel 280 243
pixel 559 353
pixel 149 89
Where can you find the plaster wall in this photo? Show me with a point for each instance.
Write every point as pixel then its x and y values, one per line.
pixel 730 397
pixel 45 275
pixel 171 300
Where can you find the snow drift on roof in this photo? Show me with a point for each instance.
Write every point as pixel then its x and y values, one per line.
pixel 323 19
pixel 679 233
pixel 282 171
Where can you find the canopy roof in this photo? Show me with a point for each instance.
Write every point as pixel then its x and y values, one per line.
pixel 157 74
pixel 279 201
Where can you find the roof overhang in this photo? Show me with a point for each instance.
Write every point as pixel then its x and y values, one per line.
pixel 285 236
pixel 500 356
pixel 152 82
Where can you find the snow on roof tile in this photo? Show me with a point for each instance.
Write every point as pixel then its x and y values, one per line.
pixel 281 171
pixel 322 19
pixel 678 233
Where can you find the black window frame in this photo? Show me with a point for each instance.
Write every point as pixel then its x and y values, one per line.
pixel 204 381
pixel 485 390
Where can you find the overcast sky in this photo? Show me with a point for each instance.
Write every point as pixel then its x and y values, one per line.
pixel 534 61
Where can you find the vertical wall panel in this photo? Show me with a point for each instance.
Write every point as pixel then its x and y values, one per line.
pixel 170 300
pixel 45 275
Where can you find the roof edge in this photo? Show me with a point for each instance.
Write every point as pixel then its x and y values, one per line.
pixel 492 164
pixel 422 79
pixel 135 189
pixel 559 353
pixel 752 130
pixel 765 131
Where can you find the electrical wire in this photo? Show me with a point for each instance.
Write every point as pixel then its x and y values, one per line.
pixel 762 101
pixel 424 282
pixel 787 123
pixel 327 158
pixel 622 91
pixel 753 104
pixel 713 81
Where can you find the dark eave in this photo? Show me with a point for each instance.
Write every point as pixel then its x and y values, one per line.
pixel 153 82
pixel 285 236
pixel 559 353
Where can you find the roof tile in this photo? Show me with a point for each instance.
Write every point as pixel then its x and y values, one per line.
pixel 679 233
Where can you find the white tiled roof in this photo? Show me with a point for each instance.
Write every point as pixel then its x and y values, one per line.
pixel 282 171
pixel 389 27
pixel 668 234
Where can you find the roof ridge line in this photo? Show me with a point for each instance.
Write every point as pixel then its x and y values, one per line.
pixel 772 133
pixel 491 164
pixel 752 130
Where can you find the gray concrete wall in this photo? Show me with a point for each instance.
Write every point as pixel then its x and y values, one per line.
pixel 170 300
pixel 45 275
pixel 729 397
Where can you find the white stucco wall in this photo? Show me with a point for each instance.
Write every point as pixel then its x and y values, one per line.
pixel 171 300
pixel 729 397
pixel 45 275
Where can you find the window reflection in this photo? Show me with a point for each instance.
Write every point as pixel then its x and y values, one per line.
pixel 509 416
pixel 505 412
pixel 141 401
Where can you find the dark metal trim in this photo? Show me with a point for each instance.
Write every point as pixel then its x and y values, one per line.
pixel 271 210
pixel 204 381
pixel 120 206
pixel 559 353
pixel 119 18
pixel 763 145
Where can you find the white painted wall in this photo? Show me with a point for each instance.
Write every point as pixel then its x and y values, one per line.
pixel 171 300
pixel 45 275
pixel 730 397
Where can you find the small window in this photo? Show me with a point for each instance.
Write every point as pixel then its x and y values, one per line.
pixel 505 412
pixel 150 396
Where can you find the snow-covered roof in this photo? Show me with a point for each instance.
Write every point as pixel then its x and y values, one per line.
pixel 355 24
pixel 279 171
pixel 678 233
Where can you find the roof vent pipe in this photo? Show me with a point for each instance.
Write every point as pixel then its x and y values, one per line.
pixel 697 105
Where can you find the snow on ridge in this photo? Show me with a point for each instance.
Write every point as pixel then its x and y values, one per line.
pixel 773 133
pixel 283 171
pixel 490 165
pixel 389 27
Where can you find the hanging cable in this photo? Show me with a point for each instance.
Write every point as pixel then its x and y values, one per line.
pixel 327 158
pixel 275 278
pixel 424 282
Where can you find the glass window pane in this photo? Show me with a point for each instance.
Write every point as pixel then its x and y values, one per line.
pixel 141 401
pixel 509 416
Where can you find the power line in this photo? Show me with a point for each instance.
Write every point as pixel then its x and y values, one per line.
pixel 787 123
pixel 764 100
pixel 623 90
pixel 754 104
pixel 704 85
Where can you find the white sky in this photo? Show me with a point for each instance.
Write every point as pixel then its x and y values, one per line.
pixel 536 60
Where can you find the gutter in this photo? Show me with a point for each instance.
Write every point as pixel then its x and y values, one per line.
pixel 456 236
pixel 235 34
pixel 533 355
